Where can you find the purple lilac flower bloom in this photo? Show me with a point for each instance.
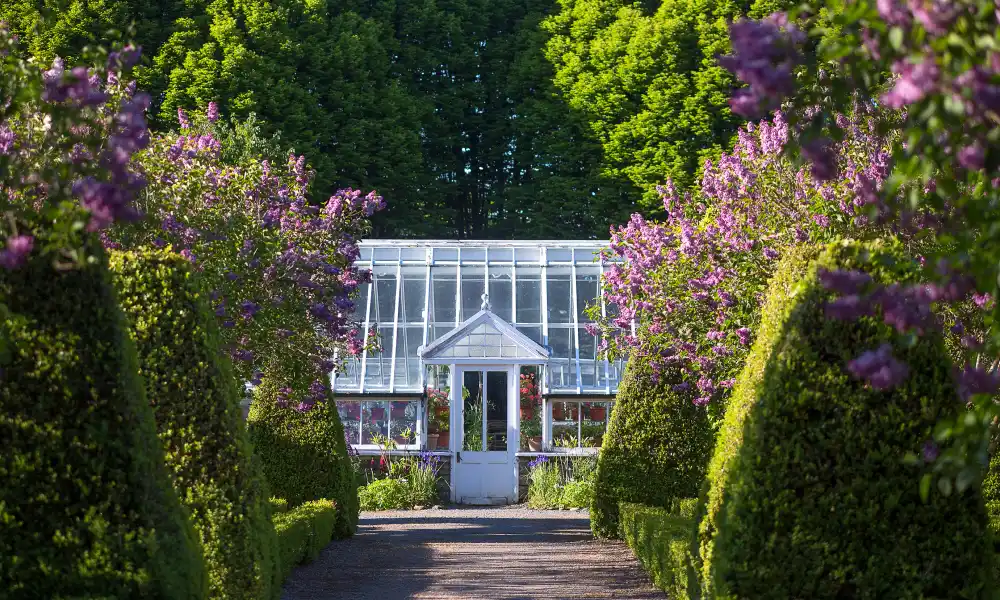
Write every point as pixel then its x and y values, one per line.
pixel 256 378
pixel 17 251
pixel 844 281
pixel 930 451
pixel 848 308
pixel 249 309
pixel 744 334
pixel 914 82
pixel 213 112
pixel 820 152
pixel 974 380
pixel 972 157
pixel 7 139
pixel 822 220
pixel 879 368
pixel 182 118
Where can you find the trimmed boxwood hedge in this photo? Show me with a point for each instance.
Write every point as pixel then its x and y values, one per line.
pixel 663 540
pixel 809 495
pixel 655 451
pixel 304 453
pixel 195 398
pixel 991 496
pixel 304 531
pixel 86 506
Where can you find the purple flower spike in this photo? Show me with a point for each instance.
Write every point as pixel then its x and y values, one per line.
pixel 879 368
pixel 213 112
pixel 848 308
pixel 930 451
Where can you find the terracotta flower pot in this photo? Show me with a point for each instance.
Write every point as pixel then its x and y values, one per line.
pixel 597 413
pixel 352 410
pixel 527 412
pixel 378 414
pixel 535 443
pixel 400 440
pixel 442 441
pixel 432 441
pixel 557 412
pixel 441 409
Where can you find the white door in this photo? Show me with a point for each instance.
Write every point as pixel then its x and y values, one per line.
pixel 484 471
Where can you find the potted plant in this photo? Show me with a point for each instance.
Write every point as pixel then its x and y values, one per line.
pixel 352 410
pixel 557 411
pixel 437 418
pixel 531 429
pixel 530 398
pixel 378 413
pixel 597 413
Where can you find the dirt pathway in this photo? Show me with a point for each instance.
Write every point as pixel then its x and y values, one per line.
pixel 508 553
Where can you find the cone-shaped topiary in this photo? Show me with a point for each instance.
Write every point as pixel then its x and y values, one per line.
pixel 195 397
pixel 86 506
pixel 302 445
pixel 656 449
pixel 809 495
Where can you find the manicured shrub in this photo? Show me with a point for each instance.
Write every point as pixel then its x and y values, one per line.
pixel 86 506
pixel 385 494
pixel 304 531
pixel 662 540
pixel 656 448
pixel 278 505
pixel 562 482
pixel 195 398
pixel 809 494
pixel 304 452
pixel 991 497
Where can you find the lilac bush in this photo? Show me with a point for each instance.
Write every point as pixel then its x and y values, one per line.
pixel 934 69
pixel 693 283
pixel 279 268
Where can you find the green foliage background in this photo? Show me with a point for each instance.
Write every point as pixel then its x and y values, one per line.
pixel 195 398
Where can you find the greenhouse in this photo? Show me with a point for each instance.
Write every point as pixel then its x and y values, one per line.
pixel 484 357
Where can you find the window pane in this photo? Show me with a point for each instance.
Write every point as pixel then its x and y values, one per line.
pixel 496 410
pixel 559 254
pixel 473 255
pixel 529 296
pixel 407 363
pixel 403 422
pixel 374 421
pixel 444 286
pixel 559 296
pixel 446 254
pixel 501 254
pixel 413 254
pixel 387 254
pixel 473 288
pixel 361 303
pixel 561 341
pixel 586 291
pixel 528 255
pixel 500 292
pixel 535 333
pixel 384 302
pixel 411 305
pixel 350 416
pixel 472 431
pixel 595 415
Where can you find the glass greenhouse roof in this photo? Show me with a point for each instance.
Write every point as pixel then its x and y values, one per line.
pixel 423 289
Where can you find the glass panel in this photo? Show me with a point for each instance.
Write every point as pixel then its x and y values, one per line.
pixel 384 302
pixel 561 341
pixel 501 254
pixel 360 304
pixel 407 363
pixel 403 422
pixel 586 292
pixel 535 333
pixel 529 296
pixel 496 410
pixel 559 296
pixel 531 410
pixel 350 416
pixel 413 254
pixel 411 304
pixel 365 254
pixel 528 255
pixel 387 254
pixel 588 355
pixel 446 254
pixel 473 287
pixel 375 421
pixel 586 255
pixel 350 377
pixel 473 255
pixel 444 286
pixel 472 402
pixel 559 254
pixel 500 292
pixel 595 423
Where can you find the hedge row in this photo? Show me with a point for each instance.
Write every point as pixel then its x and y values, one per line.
pixel 86 505
pixel 304 531
pixel 195 397
pixel 655 451
pixel 304 454
pixel 807 494
pixel 663 540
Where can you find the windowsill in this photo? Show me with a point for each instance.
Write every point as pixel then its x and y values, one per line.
pixel 402 452
pixel 573 452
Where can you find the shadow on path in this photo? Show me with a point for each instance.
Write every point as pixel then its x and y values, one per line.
pixel 474 554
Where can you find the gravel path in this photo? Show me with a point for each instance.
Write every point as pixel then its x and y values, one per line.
pixel 509 553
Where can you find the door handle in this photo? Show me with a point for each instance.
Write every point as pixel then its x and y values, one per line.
pixel 458 457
